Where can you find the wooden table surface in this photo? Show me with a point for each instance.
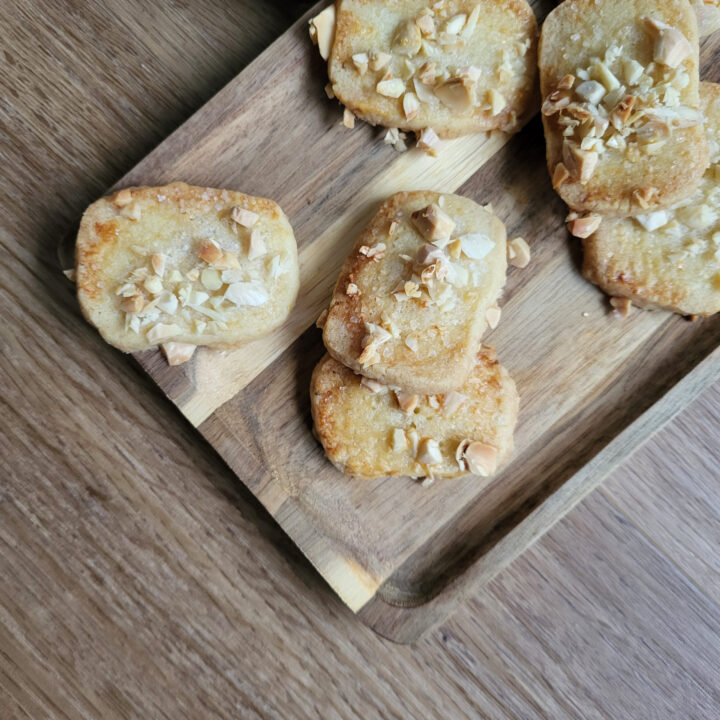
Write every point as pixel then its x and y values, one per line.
pixel 139 579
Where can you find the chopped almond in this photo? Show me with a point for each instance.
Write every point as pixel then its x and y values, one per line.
pixel 428 141
pixel 373 385
pixel 621 114
pixel 555 102
pixel 426 24
pixel 455 94
pixel 244 217
pixel 407 402
pixel 329 91
pixel 162 331
pixel 496 101
pixel 210 252
pixel 411 105
pixel 433 223
pixel 361 62
pixel 322 31
pixel 580 163
pixel 70 274
pixel 122 198
pixel 481 458
pixel 408 38
pixel 158 263
pixel 453 401
pixel 566 83
pixel 560 175
pixel 379 60
pixel 622 306
pixel 429 255
pixel 428 452
pixel 493 317
pixel 584 227
pixel 392 87
pixel 455 248
pixel 133 304
pixel 348 119
pixel 352 289
pixel 257 246
pixel 427 73
pixel 671 46
pixel 178 353
pixel 520 252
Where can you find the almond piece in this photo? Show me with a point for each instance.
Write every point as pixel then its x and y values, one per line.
pixel 481 458
pixel 348 119
pixel 521 252
pixel 580 163
pixel 428 452
pixel 322 30
pixel 379 60
pixel 392 87
pixel 122 198
pixel 407 39
pixel 361 62
pixel 433 223
pixel 584 227
pixel 671 46
pixel 492 315
pixel 210 252
pixel 352 289
pixel 133 304
pixel 455 94
pixel 177 353
pixel 411 105
pixel 161 331
pixel 621 305
pixel 453 401
pixel 428 141
pixel 426 24
pixel 427 73
pixel 243 217
pixel 158 264
pixel 644 195
pixel 496 101
pixel 407 402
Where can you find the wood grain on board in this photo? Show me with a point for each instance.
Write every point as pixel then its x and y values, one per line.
pixel 583 376
pixel 141 579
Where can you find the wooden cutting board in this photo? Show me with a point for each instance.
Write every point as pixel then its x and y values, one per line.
pixel 592 387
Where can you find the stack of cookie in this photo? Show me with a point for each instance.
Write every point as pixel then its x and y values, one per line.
pixel 633 146
pixel 406 387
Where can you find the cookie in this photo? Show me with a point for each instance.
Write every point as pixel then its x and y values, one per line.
pixel 668 259
pixel 368 430
pixel 619 82
pixel 708 14
pixel 456 66
pixel 183 264
pixel 410 305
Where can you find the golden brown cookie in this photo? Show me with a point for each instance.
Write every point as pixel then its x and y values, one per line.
pixel 369 431
pixel 409 307
pixel 619 82
pixel 668 259
pixel 185 264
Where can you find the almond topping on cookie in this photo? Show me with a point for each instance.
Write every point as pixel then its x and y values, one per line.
pixel 162 331
pixel 671 46
pixel 177 353
pixel 492 315
pixel 453 401
pixel 244 217
pixel 379 60
pixel 392 87
pixel 322 31
pixel 455 94
pixel 158 263
pixel 580 163
pixel 406 401
pixel 376 252
pixel 361 62
pixel 426 24
pixel 433 223
pixel 399 440
pixel 352 289
pixel 133 304
pixel 122 198
pixel 373 385
pixel 584 227
pixel 427 73
pixel 480 458
pixel 411 105
pixel 428 452
pixel 210 252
